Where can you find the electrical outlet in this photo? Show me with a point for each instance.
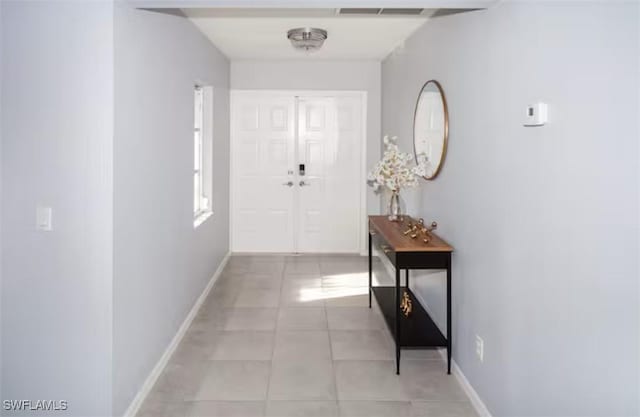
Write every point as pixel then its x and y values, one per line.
pixel 479 348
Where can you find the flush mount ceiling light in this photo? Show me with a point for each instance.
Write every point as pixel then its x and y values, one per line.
pixel 307 39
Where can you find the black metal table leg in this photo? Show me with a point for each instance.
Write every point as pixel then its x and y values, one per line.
pixel 406 278
pixel 397 321
pixel 449 333
pixel 370 268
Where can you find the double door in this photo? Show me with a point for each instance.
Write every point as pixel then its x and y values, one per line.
pixel 297 172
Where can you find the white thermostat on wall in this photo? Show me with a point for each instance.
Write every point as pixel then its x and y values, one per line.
pixel 536 114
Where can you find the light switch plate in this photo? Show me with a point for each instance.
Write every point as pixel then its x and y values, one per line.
pixel 479 348
pixel 44 219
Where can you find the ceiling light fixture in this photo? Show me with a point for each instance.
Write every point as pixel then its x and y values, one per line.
pixel 307 39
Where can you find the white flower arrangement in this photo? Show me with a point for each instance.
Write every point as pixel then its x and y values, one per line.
pixel 393 171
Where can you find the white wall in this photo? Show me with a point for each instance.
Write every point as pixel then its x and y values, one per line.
pixel 1 59
pixel 57 131
pixel 161 264
pixel 544 220
pixel 320 75
pixel 93 304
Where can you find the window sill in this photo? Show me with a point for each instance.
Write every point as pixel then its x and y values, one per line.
pixel 201 218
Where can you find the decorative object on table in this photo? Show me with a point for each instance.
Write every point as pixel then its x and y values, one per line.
pixel 431 129
pixel 417 228
pixel 406 305
pixel 393 173
pixel 394 211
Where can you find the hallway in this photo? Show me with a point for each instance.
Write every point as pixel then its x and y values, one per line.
pixel 293 336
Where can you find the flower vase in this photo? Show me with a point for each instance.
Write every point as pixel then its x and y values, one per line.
pixel 394 207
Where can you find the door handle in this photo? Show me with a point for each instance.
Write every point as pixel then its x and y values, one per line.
pixel 302 184
pixel 288 183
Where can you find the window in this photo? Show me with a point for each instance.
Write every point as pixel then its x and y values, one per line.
pixel 202 153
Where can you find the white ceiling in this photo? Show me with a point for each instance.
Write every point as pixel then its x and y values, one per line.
pixel 430 4
pixel 261 34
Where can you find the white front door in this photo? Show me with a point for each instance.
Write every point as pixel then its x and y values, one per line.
pixel 263 151
pixel 297 173
pixel 329 138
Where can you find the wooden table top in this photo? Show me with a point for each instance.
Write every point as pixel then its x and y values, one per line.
pixel 392 232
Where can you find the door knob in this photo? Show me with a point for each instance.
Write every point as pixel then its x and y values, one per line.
pixel 302 183
pixel 288 183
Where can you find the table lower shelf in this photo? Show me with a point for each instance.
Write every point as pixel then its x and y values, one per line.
pixel 416 331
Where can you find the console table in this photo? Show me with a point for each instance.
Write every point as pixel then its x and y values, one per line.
pixel 417 330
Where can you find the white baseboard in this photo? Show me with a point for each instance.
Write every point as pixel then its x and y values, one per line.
pixel 474 398
pixel 164 359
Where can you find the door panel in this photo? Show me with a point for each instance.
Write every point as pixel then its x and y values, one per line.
pixel 279 118
pixel 272 133
pixel 329 142
pixel 250 117
pixel 263 149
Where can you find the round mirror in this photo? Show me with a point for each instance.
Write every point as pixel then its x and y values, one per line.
pixel 430 128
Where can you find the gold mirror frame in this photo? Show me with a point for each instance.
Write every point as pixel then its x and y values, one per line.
pixel 446 127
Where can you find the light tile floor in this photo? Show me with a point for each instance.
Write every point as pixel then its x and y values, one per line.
pixel 293 336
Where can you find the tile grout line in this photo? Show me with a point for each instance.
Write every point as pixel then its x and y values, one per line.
pixel 275 333
pixel 333 362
